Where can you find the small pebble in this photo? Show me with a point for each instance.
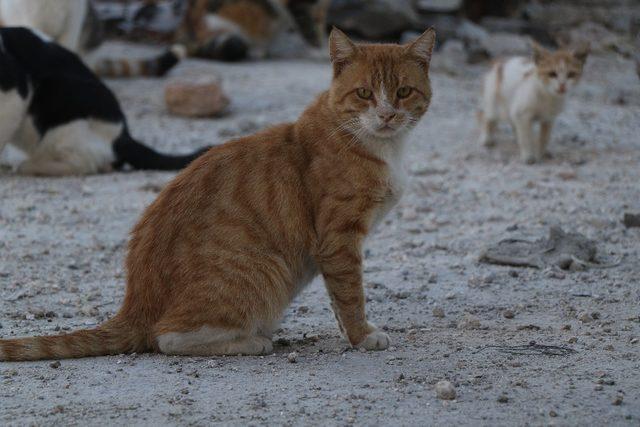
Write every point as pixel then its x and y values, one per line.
pixel 438 312
pixel 55 365
pixel 618 400
pixel 292 357
pixel 508 314
pixel 553 413
pixel 503 398
pixel 445 390
pixel 469 322
pixel 584 317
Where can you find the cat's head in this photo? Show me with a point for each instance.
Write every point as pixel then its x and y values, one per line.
pixel 380 90
pixel 559 71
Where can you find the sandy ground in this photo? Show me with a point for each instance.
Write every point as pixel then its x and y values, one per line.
pixel 62 242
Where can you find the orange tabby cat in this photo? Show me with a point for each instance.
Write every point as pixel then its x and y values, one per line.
pixel 227 245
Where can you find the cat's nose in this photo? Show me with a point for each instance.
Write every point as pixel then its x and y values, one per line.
pixel 562 88
pixel 387 116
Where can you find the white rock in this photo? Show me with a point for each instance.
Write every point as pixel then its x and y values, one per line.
pixel 292 357
pixel 445 390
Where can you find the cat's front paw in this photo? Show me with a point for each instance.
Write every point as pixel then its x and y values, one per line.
pixel 376 340
pixel 486 141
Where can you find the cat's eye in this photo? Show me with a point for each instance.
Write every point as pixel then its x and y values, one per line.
pixel 553 74
pixel 364 93
pixel 404 91
pixel 572 74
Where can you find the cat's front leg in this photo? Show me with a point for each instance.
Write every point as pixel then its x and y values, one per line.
pixel 545 136
pixel 523 125
pixel 487 130
pixel 341 266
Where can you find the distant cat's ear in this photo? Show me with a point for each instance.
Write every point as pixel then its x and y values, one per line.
pixel 539 52
pixel 341 50
pixel 422 47
pixel 581 52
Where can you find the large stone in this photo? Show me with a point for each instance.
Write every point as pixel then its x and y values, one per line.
pixel 373 19
pixel 195 97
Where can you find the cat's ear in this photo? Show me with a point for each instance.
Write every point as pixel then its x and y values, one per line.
pixel 422 47
pixel 341 49
pixel 539 52
pixel 581 52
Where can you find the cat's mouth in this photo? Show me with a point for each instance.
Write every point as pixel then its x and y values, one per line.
pixel 386 129
pixel 384 133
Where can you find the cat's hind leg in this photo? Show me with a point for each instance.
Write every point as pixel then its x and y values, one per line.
pixel 212 317
pixel 46 167
pixel 488 114
pixel 209 341
pixel 81 147
pixel 45 162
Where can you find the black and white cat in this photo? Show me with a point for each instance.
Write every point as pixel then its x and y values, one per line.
pixel 57 111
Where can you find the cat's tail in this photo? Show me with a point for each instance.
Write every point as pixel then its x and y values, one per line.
pixel 153 67
pixel 140 156
pixel 113 337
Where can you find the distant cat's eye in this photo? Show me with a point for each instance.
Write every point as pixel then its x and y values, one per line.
pixel 404 91
pixel 553 74
pixel 364 93
pixel 572 74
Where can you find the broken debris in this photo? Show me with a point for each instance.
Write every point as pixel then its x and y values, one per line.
pixel 559 249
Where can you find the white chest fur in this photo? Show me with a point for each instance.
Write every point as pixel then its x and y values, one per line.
pixel 393 153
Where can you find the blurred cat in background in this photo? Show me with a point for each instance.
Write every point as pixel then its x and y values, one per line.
pixel 526 92
pixel 74 25
pixel 234 29
pixel 227 30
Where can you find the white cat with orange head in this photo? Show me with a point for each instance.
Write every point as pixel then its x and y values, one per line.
pixel 529 91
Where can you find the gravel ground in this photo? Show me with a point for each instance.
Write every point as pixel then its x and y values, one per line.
pixel 62 243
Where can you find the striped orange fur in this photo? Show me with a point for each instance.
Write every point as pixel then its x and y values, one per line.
pixel 219 255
